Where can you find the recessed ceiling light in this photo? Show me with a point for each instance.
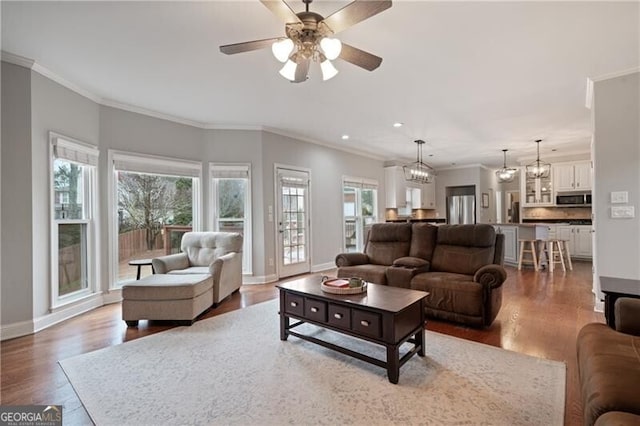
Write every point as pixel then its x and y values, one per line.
pixel 397 124
pixel 345 137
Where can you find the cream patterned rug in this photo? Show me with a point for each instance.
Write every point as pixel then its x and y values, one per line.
pixel 233 369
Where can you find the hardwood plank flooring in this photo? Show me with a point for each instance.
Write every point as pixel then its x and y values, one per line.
pixel 541 315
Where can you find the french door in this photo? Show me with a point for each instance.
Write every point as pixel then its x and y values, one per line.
pixel 293 222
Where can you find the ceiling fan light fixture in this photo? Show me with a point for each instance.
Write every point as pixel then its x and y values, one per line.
pixel 288 71
pixel 331 47
pixel 281 49
pixel 328 70
pixel 505 174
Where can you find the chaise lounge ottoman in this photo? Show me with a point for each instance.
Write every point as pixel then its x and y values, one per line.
pixel 167 297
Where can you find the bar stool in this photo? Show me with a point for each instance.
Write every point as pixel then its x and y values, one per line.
pixel 554 253
pixel 567 255
pixel 531 251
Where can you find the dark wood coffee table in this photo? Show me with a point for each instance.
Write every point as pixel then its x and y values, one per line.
pixel 388 316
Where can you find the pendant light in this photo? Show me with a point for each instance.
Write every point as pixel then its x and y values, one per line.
pixel 538 169
pixel 418 171
pixel 505 174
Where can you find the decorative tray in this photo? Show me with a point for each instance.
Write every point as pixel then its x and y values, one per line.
pixel 328 288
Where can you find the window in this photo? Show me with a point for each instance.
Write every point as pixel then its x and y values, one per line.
pixel 73 177
pixel 359 206
pixel 154 202
pixel 231 199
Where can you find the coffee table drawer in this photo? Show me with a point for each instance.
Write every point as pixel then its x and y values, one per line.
pixel 293 304
pixel 340 316
pixel 315 310
pixel 367 323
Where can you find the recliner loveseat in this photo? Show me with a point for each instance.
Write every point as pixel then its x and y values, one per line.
pixel 459 265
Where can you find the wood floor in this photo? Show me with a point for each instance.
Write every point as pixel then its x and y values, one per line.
pixel 540 316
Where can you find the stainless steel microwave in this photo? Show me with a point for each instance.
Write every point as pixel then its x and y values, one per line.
pixel 583 199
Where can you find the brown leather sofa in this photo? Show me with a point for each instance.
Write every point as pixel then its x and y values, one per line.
pixel 609 367
pixel 459 265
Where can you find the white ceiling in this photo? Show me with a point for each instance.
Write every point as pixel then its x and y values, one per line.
pixel 470 78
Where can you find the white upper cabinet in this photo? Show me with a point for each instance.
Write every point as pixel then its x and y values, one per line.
pixel 572 176
pixel 537 192
pixel 423 196
pixel 395 187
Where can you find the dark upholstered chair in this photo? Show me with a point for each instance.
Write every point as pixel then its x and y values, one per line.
pixel 609 367
pixel 459 265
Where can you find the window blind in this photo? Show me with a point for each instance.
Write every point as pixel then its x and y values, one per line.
pixel 75 152
pixel 354 182
pixel 155 165
pixel 219 171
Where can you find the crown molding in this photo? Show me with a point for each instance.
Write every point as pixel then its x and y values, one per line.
pixel 233 127
pixel 464 166
pixel 151 113
pixel 45 72
pixel 14 59
pixel 551 156
pixel 325 144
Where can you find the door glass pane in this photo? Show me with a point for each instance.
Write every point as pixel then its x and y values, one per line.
pixel 72 258
pixel 293 226
pixel 68 187
pixel 154 211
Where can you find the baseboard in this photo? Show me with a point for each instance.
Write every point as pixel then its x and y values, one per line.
pixel 112 296
pixel 323 267
pixel 259 279
pixel 17 329
pixel 70 311
pixel 599 306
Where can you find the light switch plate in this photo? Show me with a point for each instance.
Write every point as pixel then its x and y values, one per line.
pixel 622 212
pixel 619 197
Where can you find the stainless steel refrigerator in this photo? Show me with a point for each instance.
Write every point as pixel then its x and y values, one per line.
pixel 461 205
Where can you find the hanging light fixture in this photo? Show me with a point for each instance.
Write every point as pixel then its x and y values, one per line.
pixel 418 171
pixel 538 169
pixel 505 174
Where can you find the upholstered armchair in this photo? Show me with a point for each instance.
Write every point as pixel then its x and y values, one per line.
pixel 215 253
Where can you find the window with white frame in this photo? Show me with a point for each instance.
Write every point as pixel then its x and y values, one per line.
pixel 359 207
pixel 73 210
pixel 154 201
pixel 231 204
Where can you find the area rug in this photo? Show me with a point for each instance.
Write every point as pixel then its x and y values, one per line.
pixel 233 369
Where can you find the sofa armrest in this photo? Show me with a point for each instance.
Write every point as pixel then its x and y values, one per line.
pixel 164 264
pixel 351 259
pixel 627 315
pixel 226 271
pixel 490 275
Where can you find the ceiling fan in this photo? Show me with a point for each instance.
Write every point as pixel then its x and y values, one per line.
pixel 308 37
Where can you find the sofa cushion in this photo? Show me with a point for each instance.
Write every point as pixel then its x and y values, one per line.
pixel 167 287
pixel 191 270
pixel 387 242
pixel 609 368
pixel 451 292
pixel 372 273
pixel 464 248
pixel 411 262
pixel 423 240
pixel 203 247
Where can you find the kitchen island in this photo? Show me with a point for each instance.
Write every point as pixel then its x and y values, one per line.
pixel 519 231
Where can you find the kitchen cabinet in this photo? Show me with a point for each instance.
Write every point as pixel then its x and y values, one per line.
pixel 537 192
pixel 572 176
pixel 579 239
pixel 423 196
pixel 395 187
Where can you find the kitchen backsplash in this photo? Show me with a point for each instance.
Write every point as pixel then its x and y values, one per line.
pixel 392 214
pixel 556 213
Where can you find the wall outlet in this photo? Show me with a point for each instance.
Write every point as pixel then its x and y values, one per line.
pixel 271 261
pixel 622 212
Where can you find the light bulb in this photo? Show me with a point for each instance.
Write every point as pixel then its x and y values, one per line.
pixel 331 47
pixel 328 70
pixel 289 70
pixel 282 48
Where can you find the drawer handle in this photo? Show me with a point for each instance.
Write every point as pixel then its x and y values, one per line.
pixel 294 304
pixel 337 316
pixel 314 309
pixel 364 323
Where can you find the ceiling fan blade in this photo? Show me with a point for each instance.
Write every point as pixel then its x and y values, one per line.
pixel 281 10
pixel 302 70
pixel 359 57
pixel 247 46
pixel 355 12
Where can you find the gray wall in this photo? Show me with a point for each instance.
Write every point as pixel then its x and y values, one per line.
pixel 17 233
pixel 617 168
pixel 53 108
